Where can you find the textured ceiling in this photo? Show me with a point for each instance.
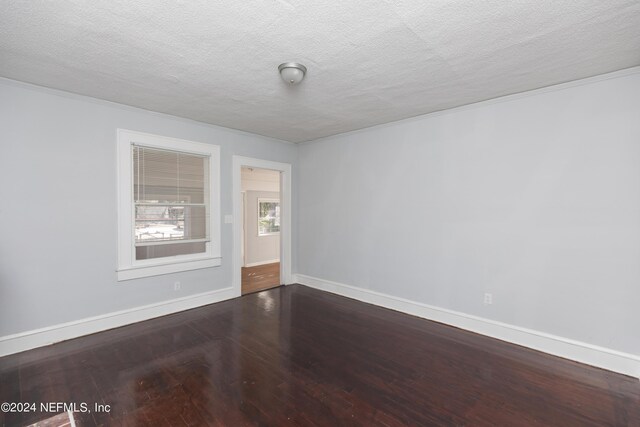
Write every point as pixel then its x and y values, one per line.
pixel 369 62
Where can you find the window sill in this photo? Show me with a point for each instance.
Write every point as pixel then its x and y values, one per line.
pixel 157 270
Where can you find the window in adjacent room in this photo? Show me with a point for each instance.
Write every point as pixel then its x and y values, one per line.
pixel 168 205
pixel 268 217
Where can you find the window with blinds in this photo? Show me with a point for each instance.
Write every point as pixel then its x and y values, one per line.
pixel 171 202
pixel 168 205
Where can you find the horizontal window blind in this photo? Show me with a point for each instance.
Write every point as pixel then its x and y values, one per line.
pixel 170 191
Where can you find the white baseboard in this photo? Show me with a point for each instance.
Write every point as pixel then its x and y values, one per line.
pixel 255 264
pixel 601 357
pixel 40 337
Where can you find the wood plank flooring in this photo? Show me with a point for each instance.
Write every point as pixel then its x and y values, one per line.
pixel 297 356
pixel 260 277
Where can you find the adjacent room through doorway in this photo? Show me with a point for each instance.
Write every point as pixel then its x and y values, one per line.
pixel 260 240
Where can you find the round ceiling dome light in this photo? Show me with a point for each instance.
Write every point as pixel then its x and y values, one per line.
pixel 292 72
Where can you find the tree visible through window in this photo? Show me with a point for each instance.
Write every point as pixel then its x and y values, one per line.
pixel 268 216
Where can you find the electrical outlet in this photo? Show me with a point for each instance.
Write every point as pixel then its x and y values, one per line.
pixel 177 286
pixel 488 298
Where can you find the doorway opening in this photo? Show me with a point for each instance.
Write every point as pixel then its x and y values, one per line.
pixel 260 241
pixel 262 224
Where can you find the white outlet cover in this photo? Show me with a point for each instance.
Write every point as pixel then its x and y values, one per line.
pixel 228 219
pixel 488 298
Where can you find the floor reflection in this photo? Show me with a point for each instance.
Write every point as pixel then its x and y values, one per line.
pixel 294 355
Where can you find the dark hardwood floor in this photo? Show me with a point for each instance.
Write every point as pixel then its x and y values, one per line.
pixel 260 277
pixel 297 356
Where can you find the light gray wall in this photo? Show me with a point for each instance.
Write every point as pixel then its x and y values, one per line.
pixel 535 199
pixel 259 248
pixel 58 211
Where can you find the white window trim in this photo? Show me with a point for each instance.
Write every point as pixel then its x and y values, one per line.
pixel 268 200
pixel 128 266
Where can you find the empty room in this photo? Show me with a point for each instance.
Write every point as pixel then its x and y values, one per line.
pixel 274 213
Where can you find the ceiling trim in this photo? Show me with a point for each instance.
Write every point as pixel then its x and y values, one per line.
pixel 505 98
pixel 76 96
pixel 500 99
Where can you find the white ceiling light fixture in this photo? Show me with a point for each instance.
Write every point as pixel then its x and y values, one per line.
pixel 292 72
